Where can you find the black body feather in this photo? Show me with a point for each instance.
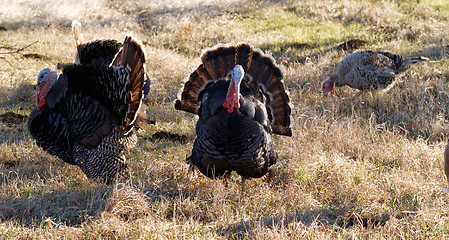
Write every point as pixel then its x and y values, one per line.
pixel 85 121
pixel 98 52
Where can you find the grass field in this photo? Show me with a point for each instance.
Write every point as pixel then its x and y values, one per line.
pixel 364 167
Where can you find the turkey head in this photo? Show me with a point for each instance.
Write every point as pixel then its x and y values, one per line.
pixel 232 97
pixel 45 80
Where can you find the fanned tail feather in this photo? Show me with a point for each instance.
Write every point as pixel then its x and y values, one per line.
pixel 188 96
pixel 244 55
pixel 260 68
pixel 77 32
pixel 264 71
pixel 132 58
pixel 219 62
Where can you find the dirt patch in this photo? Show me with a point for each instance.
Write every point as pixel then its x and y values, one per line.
pixel 34 56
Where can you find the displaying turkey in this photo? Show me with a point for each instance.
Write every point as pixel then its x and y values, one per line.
pixel 239 96
pixel 86 116
pixel 98 52
pixel 368 70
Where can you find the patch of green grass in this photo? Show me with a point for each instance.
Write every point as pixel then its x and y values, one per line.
pixel 441 6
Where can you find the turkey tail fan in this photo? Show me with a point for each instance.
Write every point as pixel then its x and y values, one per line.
pixel 78 37
pixel 77 32
pixel 98 52
pixel 188 95
pixel 264 71
pixel 132 58
pixel 218 61
pixel 216 65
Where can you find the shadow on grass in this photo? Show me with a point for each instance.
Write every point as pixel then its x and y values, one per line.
pixel 13 118
pixel 69 207
pixel 167 136
pixel 77 205
pixel 322 218
pixel 14 133
pixel 291 50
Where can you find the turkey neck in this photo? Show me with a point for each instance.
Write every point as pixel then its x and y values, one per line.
pixel 337 80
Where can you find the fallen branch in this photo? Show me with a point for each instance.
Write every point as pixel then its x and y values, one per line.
pixel 18 50
pixel 3 58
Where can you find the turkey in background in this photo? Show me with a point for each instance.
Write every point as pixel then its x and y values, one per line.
pixel 86 116
pixel 238 94
pixel 97 52
pixel 368 70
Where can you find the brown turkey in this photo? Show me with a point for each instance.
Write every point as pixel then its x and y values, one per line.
pixel 86 116
pixel 369 70
pixel 238 94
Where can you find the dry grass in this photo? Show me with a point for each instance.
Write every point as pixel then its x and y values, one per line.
pixel 358 167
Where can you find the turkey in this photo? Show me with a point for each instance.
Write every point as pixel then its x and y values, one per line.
pixel 86 116
pixel 97 52
pixel 368 70
pixel 238 94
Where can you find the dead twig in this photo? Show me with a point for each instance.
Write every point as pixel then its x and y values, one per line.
pixel 7 62
pixel 19 49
